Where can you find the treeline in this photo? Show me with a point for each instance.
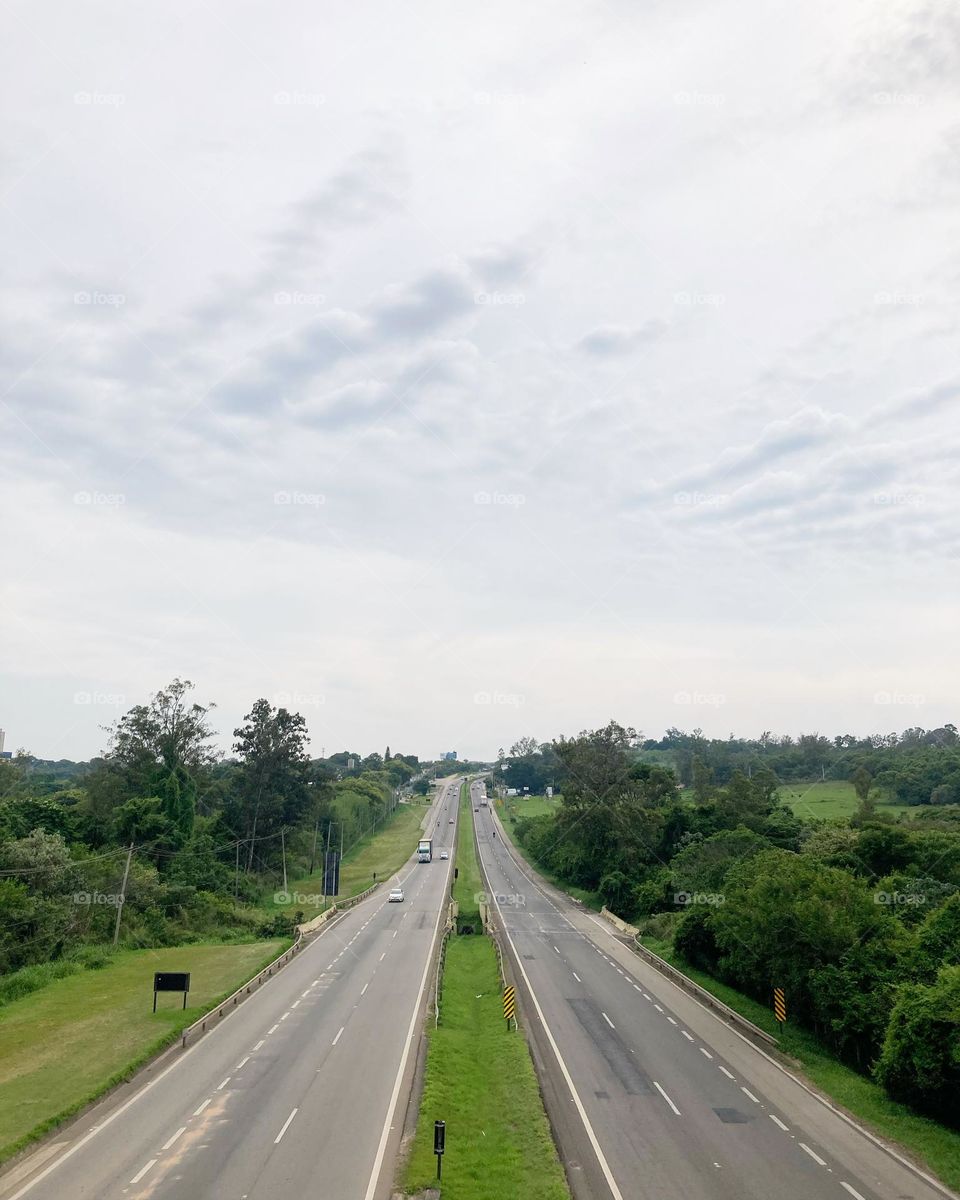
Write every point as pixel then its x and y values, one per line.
pixel 859 922
pixel 191 840
pixel 917 766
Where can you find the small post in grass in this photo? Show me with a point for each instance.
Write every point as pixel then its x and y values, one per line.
pixel 780 1006
pixel 510 1005
pixel 439 1142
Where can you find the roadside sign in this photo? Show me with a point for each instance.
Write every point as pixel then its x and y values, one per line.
pixel 171 981
pixel 510 1005
pixel 439 1141
pixel 779 1005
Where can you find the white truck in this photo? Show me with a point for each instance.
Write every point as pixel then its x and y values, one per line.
pixel 425 850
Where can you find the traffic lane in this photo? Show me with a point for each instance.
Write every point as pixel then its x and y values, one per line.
pixel 652 1141
pixel 102 1147
pixel 820 1133
pixel 313 1109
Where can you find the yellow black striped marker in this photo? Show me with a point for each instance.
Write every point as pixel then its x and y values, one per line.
pixel 510 1004
pixel 779 1005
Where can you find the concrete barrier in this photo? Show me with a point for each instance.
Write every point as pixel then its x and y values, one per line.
pixel 630 930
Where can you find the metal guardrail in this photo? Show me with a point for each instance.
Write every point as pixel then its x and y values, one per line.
pixel 243 991
pixel 707 998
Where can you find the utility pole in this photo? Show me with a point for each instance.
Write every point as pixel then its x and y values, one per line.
pixel 316 831
pixel 120 898
pixel 236 874
pixel 326 860
pixel 283 850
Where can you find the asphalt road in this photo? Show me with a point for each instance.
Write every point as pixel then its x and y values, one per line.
pixel 297 1093
pixel 651 1094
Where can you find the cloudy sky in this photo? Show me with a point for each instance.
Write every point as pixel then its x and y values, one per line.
pixel 452 373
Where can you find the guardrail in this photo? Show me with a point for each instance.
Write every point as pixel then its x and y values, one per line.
pixel 244 991
pixel 707 998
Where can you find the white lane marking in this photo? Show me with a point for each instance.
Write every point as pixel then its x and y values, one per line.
pixel 780 1125
pixel 577 977
pixel 169 1142
pixel 813 1154
pixel 274 1029
pixel 645 996
pixel 221 1086
pixel 294 1004
pixel 658 1008
pixel 198 1111
pixel 556 949
pixel 364 988
pixel 143 1170
pixel 395 932
pixel 667 1098
pixel 686 1035
pixel 242 1063
pixel 258 1045
pixel 671 1020
pixel 285 1015
pixel 853 1191
pixel 339 1035
pixel 383 956
pixel 304 995
pixel 286 1126
pixel 637 988
pixel 747 1092
pixel 608 1021
pixel 568 1079
pixel 728 1074
pixel 705 1053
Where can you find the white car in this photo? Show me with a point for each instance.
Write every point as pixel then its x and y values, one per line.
pixel 444 854
pixel 450 822
pixel 396 896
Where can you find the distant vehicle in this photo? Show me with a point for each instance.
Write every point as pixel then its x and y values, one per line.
pixel 425 850
pixel 476 810
pixel 396 895
pixel 444 854
pixel 483 802
pixel 450 822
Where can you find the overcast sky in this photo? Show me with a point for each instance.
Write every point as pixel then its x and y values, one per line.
pixel 456 372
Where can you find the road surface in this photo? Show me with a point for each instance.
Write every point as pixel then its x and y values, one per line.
pixel 650 1093
pixel 300 1092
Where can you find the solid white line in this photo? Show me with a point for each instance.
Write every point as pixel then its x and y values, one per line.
pixel 167 1144
pixel 286 1126
pixel 143 1170
pixel 705 1053
pixel 568 1079
pixel 242 1063
pixel 259 1044
pixel 199 1110
pixel 686 1035
pixel 747 1092
pixel 608 1021
pixel 364 988
pixel 577 977
pixel 853 1191
pixel 776 1120
pixel 667 1098
pixel 813 1154
pixel 728 1074
pixel 339 1035
pixel 221 1086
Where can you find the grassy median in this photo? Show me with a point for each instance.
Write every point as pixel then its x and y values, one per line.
pixel 479 1077
pixel 70 1042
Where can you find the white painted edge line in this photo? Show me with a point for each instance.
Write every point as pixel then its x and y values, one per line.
pixel 143 1170
pixel 813 1154
pixel 286 1126
pixel 411 1030
pixel 604 1165
pixel 667 1098
pixel 871 1137
pixel 169 1142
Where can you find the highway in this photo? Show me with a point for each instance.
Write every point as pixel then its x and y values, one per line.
pixel 650 1094
pixel 300 1092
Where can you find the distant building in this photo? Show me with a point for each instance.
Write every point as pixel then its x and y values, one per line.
pixel 449 756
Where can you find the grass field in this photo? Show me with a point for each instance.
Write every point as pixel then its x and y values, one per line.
pixel 468 883
pixel 382 853
pixel 479 1077
pixel 830 800
pixel 64 1045
pixel 922 1138
pixel 527 806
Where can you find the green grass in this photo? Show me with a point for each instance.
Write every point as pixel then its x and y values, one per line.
pixel 383 852
pixel 514 807
pixel 481 1082
pixel 831 800
pixel 63 1046
pixel 468 883
pixel 937 1146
